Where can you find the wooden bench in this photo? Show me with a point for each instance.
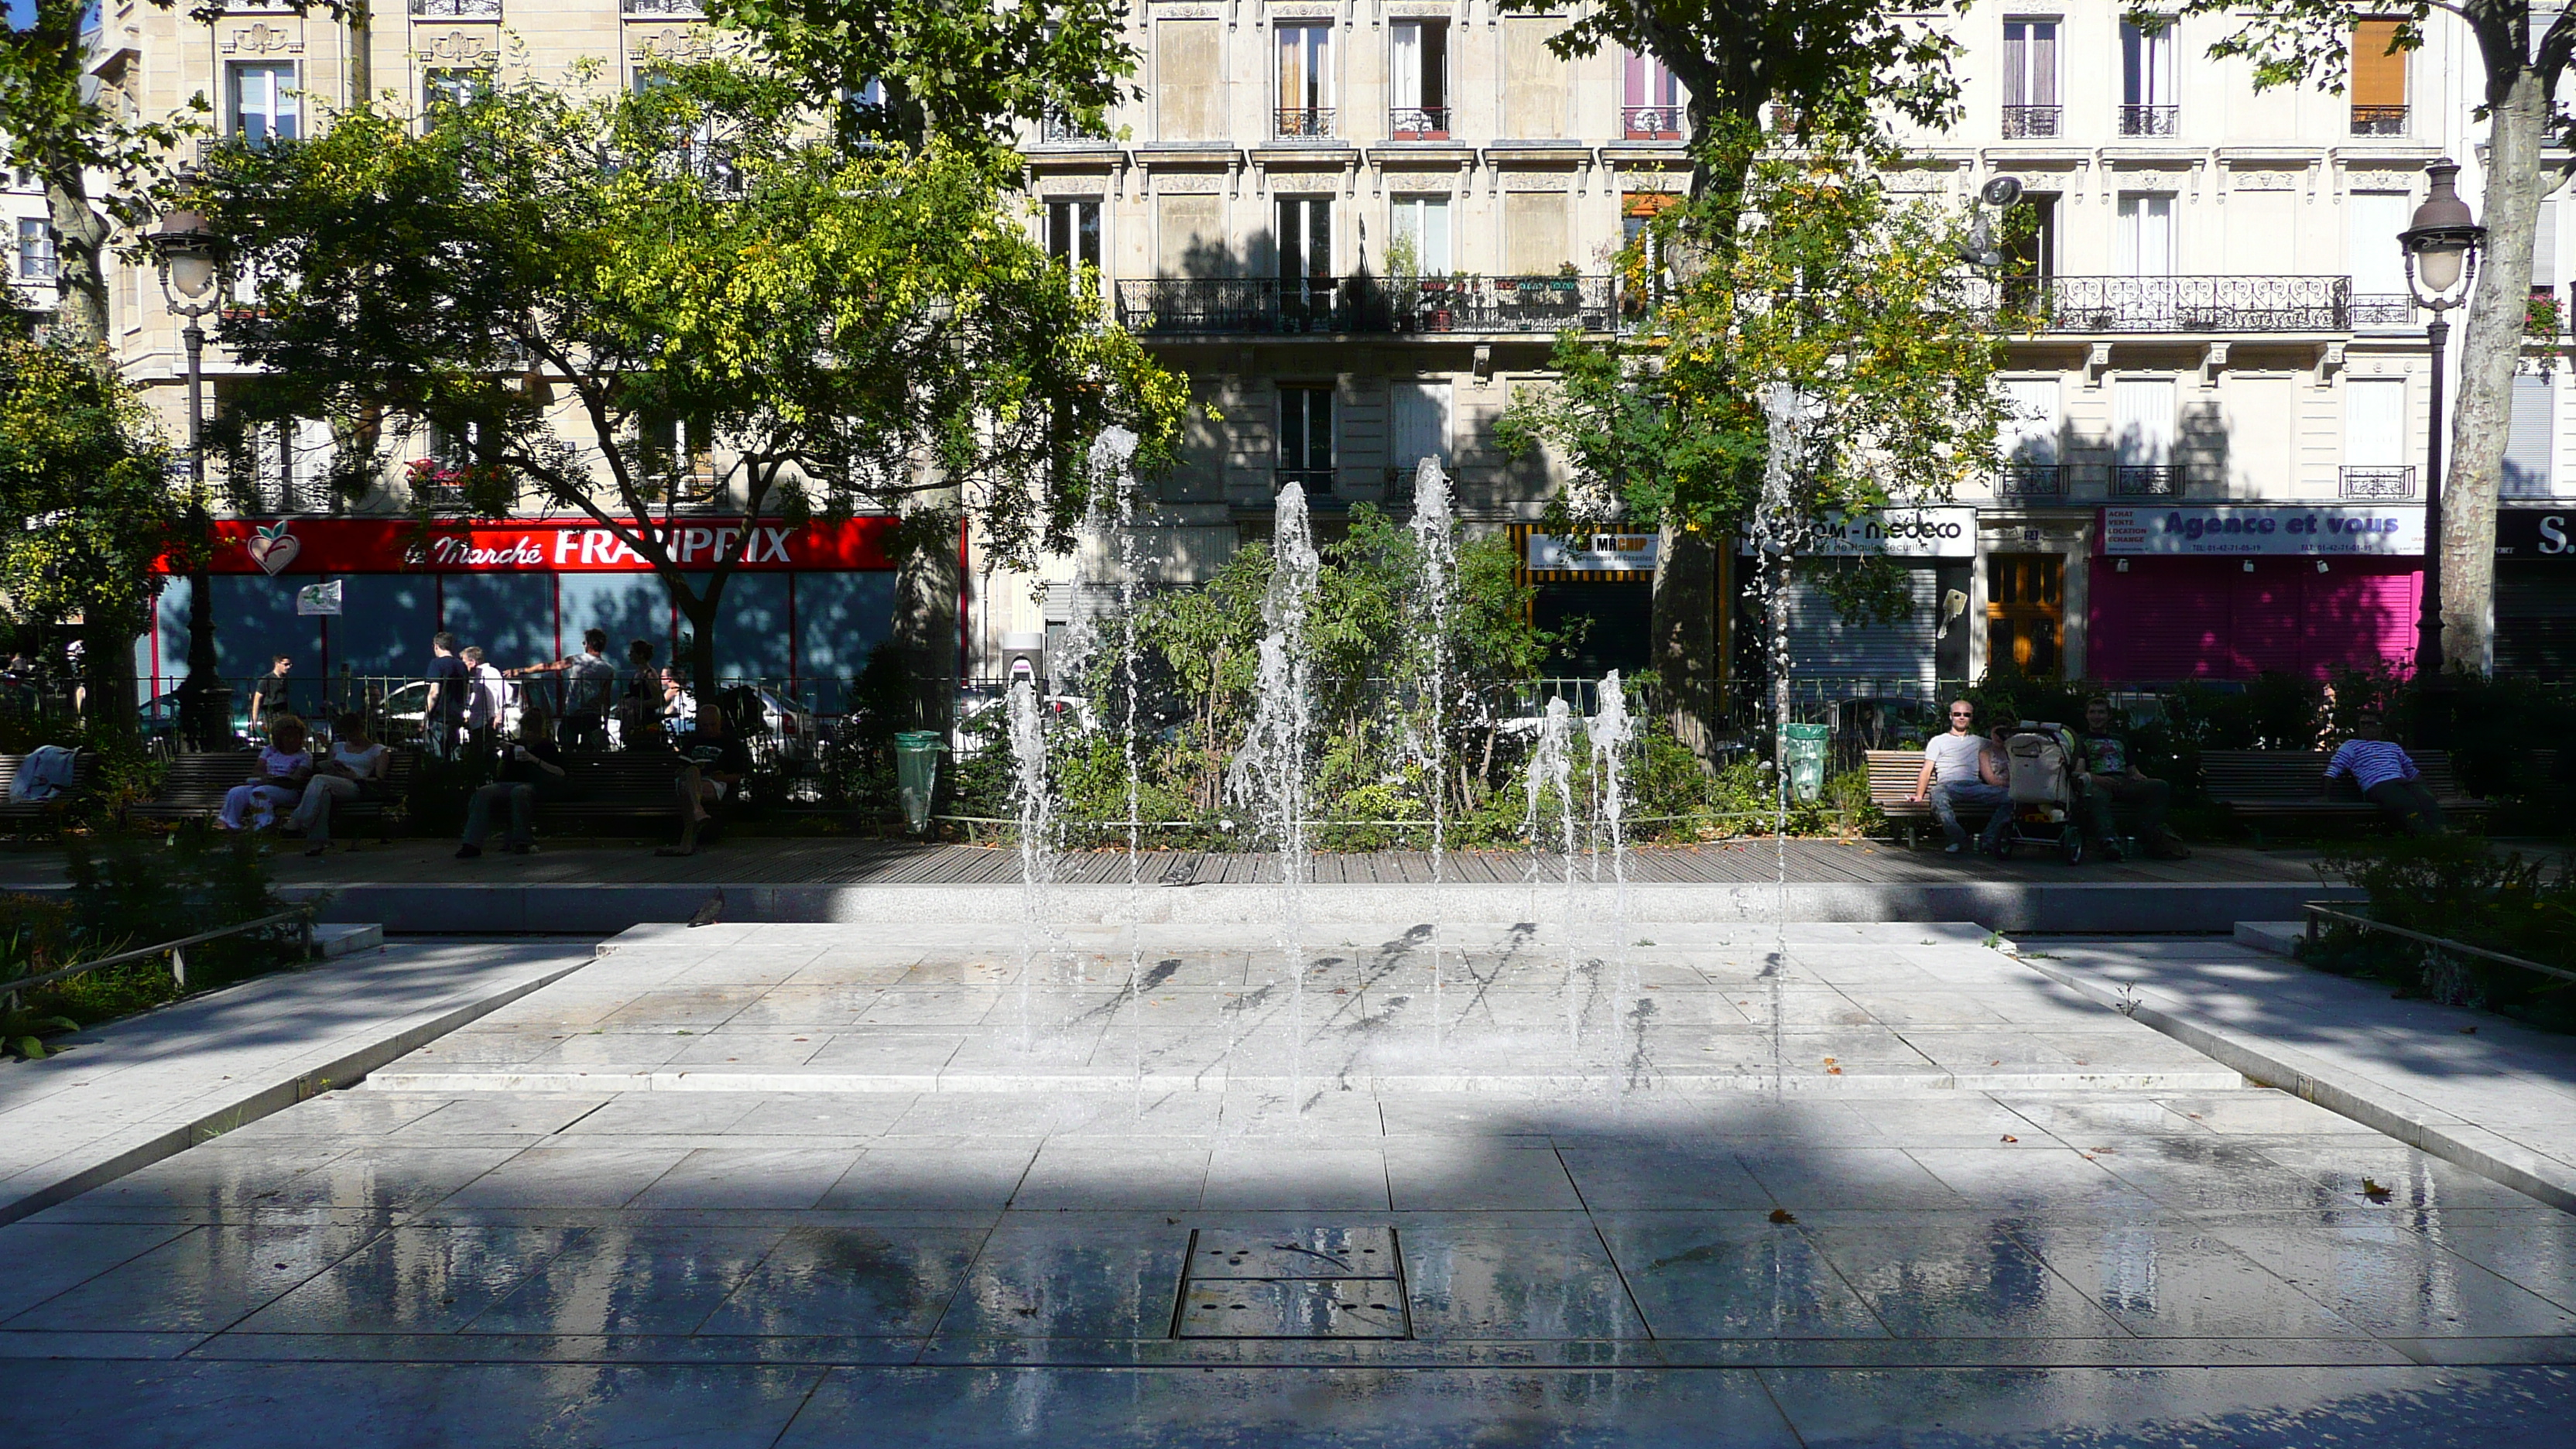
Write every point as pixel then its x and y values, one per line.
pixel 1892 774
pixel 197 784
pixel 42 812
pixel 634 789
pixel 2265 787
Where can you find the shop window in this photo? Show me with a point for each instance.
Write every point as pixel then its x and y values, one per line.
pixel 2025 612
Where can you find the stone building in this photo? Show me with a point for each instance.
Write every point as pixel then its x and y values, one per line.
pixel 1358 224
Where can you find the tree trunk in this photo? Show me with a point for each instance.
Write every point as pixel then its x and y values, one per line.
pixel 362 40
pixel 700 611
pixel 1685 625
pixel 107 675
pixel 2483 418
pixel 926 604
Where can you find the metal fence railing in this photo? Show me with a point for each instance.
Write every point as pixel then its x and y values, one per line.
pixel 177 951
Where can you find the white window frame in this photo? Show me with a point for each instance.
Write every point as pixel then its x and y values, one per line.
pixel 1316 63
pixel 1407 215
pixel 282 95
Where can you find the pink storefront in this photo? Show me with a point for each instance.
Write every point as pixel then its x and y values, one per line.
pixel 2229 592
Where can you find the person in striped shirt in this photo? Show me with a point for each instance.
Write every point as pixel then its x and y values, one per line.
pixel 2387 776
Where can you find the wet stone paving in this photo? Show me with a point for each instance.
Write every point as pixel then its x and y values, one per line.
pixel 817 1185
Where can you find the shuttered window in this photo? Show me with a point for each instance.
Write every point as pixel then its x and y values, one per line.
pixel 2527 445
pixel 2378 77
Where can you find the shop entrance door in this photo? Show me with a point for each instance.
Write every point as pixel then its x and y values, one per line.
pixel 2025 610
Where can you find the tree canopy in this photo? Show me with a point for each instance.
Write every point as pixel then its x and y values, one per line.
pixel 613 298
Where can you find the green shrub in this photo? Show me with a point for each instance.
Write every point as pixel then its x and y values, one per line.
pixel 2457 888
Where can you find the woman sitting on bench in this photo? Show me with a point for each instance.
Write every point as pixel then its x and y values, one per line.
pixel 285 763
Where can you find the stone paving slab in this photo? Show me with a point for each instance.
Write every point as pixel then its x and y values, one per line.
pixel 2467 1086
pixel 136 1091
pixel 1516 1011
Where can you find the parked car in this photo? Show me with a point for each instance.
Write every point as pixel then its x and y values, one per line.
pixel 399 714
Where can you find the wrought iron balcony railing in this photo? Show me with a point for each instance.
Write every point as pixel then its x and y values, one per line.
pixel 2149 120
pixel 1652 123
pixel 1545 305
pixel 2146 480
pixel 2376 483
pixel 2031 480
pixel 2383 309
pixel 2031 123
pixel 1303 122
pixel 1418 123
pixel 1206 306
pixel 457 9
pixel 1059 129
pixel 2181 304
pixel 2379 120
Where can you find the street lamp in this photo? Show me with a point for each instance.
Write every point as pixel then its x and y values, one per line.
pixel 191 266
pixel 2441 263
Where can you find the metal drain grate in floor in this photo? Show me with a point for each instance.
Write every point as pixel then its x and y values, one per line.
pixel 1297 1283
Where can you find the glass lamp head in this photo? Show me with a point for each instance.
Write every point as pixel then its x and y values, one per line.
pixel 2444 237
pixel 187 250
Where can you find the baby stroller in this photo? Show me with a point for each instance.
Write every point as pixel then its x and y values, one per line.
pixel 2040 776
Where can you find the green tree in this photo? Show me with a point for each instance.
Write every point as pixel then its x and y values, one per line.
pixel 613 300
pixel 961 73
pixel 2523 53
pixel 84 472
pixel 1834 358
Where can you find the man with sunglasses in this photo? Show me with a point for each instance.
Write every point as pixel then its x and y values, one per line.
pixel 1959 768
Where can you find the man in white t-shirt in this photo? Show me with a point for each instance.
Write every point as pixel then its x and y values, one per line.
pixel 487 694
pixel 1961 768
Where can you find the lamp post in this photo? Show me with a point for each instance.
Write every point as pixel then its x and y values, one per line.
pixel 190 264
pixel 2441 261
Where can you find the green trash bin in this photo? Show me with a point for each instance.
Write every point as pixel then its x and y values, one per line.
pixel 1802 752
pixel 916 773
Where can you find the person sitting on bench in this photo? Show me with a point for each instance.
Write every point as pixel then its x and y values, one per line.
pixel 2106 776
pixel 533 770
pixel 2387 776
pixel 1959 768
pixel 285 763
pixel 716 763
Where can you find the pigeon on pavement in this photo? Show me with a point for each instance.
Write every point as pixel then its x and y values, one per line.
pixel 711 912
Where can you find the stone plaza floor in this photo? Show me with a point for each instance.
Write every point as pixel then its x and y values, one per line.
pixel 783 1185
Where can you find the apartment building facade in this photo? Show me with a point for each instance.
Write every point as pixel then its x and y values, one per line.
pixel 1357 225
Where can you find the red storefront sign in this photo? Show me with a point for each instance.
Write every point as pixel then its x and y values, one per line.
pixel 536 545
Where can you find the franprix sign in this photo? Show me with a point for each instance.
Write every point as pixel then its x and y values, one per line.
pixel 2395 530
pixel 542 545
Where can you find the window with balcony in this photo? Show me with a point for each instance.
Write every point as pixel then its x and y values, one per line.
pixel 37 259
pixel 2378 80
pixel 2147 78
pixel 1305 100
pixel 1417 98
pixel 2146 234
pixel 2033 467
pixel 1420 228
pixel 1651 105
pixel 1307 284
pixel 2031 107
pixel 2372 220
pixel 263 99
pixel 456 9
pixel 678 456
pixel 2142 439
pixel 1306 439
pixel 2374 440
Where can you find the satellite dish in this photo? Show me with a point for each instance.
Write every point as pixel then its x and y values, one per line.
pixel 2001 191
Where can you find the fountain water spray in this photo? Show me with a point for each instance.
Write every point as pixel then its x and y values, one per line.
pixel 1777 524
pixel 1113 456
pixel 1033 796
pixel 1268 775
pixel 1436 542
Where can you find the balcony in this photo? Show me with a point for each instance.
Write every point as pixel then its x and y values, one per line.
pixel 2379 120
pixel 2031 480
pixel 663 9
pixel 2376 484
pixel 1267 306
pixel 2383 309
pixel 1652 123
pixel 2150 120
pixel 2146 480
pixel 1418 123
pixel 456 9
pixel 1303 123
pixel 2033 123
pixel 2182 304
pixel 1058 129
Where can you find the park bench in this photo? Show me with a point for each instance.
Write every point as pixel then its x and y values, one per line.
pixel 2286 787
pixel 1892 774
pixel 631 789
pixel 197 783
pixel 17 814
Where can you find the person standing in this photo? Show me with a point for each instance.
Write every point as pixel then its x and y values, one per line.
pixel 355 768
pixel 1959 768
pixel 277 783
pixel 443 713
pixel 588 681
pixel 271 691
pixel 2387 776
pixel 639 709
pixel 2106 776
pixel 533 770
pixel 487 706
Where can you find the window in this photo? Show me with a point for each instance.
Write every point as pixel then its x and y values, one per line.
pixel 264 101
pixel 2374 439
pixel 453 86
pixel 1186 94
pixel 2033 467
pixel 2377 263
pixel 2030 79
pixel 2527 439
pixel 282 467
pixel 37 261
pixel 1421 228
pixel 2146 79
pixel 1306 438
pixel 454 9
pixel 1418 81
pixel 2378 80
pixel 1652 108
pixel 1305 80
pixel 2146 234
pixel 1306 283
pixel 1418 422
pixel 2142 438
pixel 680 456
pixel 1073 234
